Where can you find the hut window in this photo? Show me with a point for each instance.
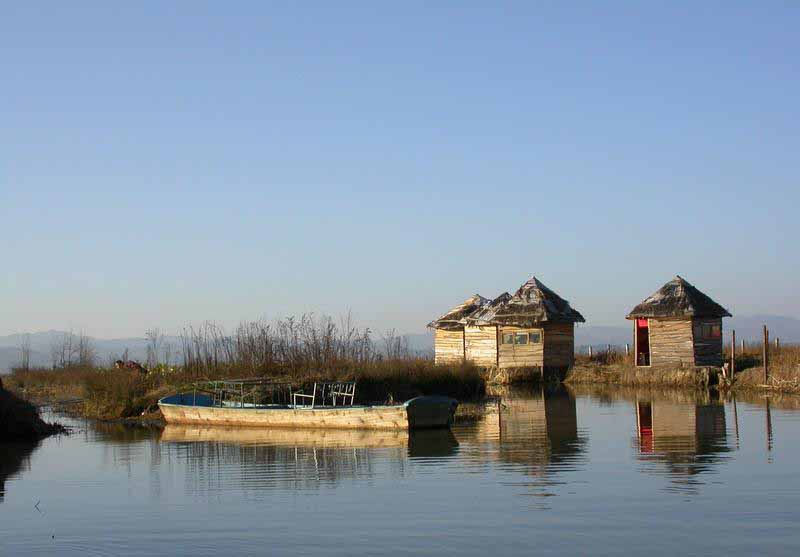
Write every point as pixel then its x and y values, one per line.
pixel 709 331
pixel 536 338
pixel 508 338
pixel 522 338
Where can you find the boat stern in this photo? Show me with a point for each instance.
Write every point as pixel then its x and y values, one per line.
pixel 431 412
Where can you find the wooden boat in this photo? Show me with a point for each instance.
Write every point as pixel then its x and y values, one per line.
pixel 225 404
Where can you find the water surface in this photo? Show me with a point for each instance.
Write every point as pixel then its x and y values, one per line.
pixel 554 472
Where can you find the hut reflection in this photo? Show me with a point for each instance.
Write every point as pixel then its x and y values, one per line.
pixel 681 440
pixel 534 430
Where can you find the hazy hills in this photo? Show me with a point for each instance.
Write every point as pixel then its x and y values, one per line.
pixel 747 327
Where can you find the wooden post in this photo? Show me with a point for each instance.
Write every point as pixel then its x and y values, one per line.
pixel 777 344
pixel 627 349
pixel 590 351
pixel 769 427
pixel 736 420
pixel 741 346
pixel 733 353
pixel 765 354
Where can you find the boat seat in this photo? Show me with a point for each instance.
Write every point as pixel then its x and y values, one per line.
pixel 336 393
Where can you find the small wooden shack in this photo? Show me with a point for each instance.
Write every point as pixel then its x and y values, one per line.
pixel 448 340
pixel 534 328
pixel 679 327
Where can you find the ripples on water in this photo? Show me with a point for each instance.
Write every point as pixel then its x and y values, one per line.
pixel 600 471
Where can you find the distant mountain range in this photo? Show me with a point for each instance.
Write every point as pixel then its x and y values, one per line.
pixel 747 327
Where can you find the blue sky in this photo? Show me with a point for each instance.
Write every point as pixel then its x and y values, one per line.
pixel 167 164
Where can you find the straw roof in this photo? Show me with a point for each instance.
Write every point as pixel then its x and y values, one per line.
pixel 454 319
pixel 679 299
pixel 532 305
pixel 484 315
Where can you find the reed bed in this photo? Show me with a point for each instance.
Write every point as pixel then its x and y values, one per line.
pixel 295 350
pixel 784 368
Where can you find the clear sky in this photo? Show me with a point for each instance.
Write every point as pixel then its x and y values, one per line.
pixel 164 163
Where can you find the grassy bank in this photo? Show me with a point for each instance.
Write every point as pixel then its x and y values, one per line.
pixel 629 375
pixel 299 351
pixel 784 369
pixel 614 368
pixel 113 393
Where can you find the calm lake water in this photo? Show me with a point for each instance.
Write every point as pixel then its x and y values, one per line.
pixel 600 472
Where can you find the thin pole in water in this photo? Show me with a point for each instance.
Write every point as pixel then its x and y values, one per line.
pixel 769 427
pixel 736 421
pixel 765 354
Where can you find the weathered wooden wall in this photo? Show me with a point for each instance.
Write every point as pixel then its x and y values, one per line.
pixel 708 352
pixel 448 346
pixel 559 344
pixel 671 343
pixel 480 345
pixel 520 355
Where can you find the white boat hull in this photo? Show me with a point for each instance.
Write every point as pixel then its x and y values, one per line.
pixel 417 413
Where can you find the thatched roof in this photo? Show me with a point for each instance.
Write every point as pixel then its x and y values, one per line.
pixel 454 319
pixel 679 299
pixel 534 304
pixel 484 315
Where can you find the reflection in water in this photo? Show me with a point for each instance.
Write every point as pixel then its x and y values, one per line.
pixel 218 457
pixel 534 431
pixel 119 490
pixel 680 440
pixel 14 458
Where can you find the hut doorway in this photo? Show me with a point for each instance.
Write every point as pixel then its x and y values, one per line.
pixel 642 342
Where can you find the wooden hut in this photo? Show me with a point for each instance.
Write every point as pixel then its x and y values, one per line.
pixel 678 326
pixel 534 328
pixel 480 334
pixel 448 340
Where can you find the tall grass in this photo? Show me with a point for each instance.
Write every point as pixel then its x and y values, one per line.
pixel 297 350
pixel 784 367
pixel 609 356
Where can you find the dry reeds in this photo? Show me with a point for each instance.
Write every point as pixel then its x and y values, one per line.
pixel 295 350
pixel 784 368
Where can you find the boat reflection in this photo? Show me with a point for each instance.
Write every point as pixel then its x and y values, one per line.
pixel 221 457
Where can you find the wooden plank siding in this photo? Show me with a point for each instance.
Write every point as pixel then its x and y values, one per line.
pixel 559 345
pixel 671 343
pixel 707 352
pixel 480 345
pixel 448 346
pixel 519 355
